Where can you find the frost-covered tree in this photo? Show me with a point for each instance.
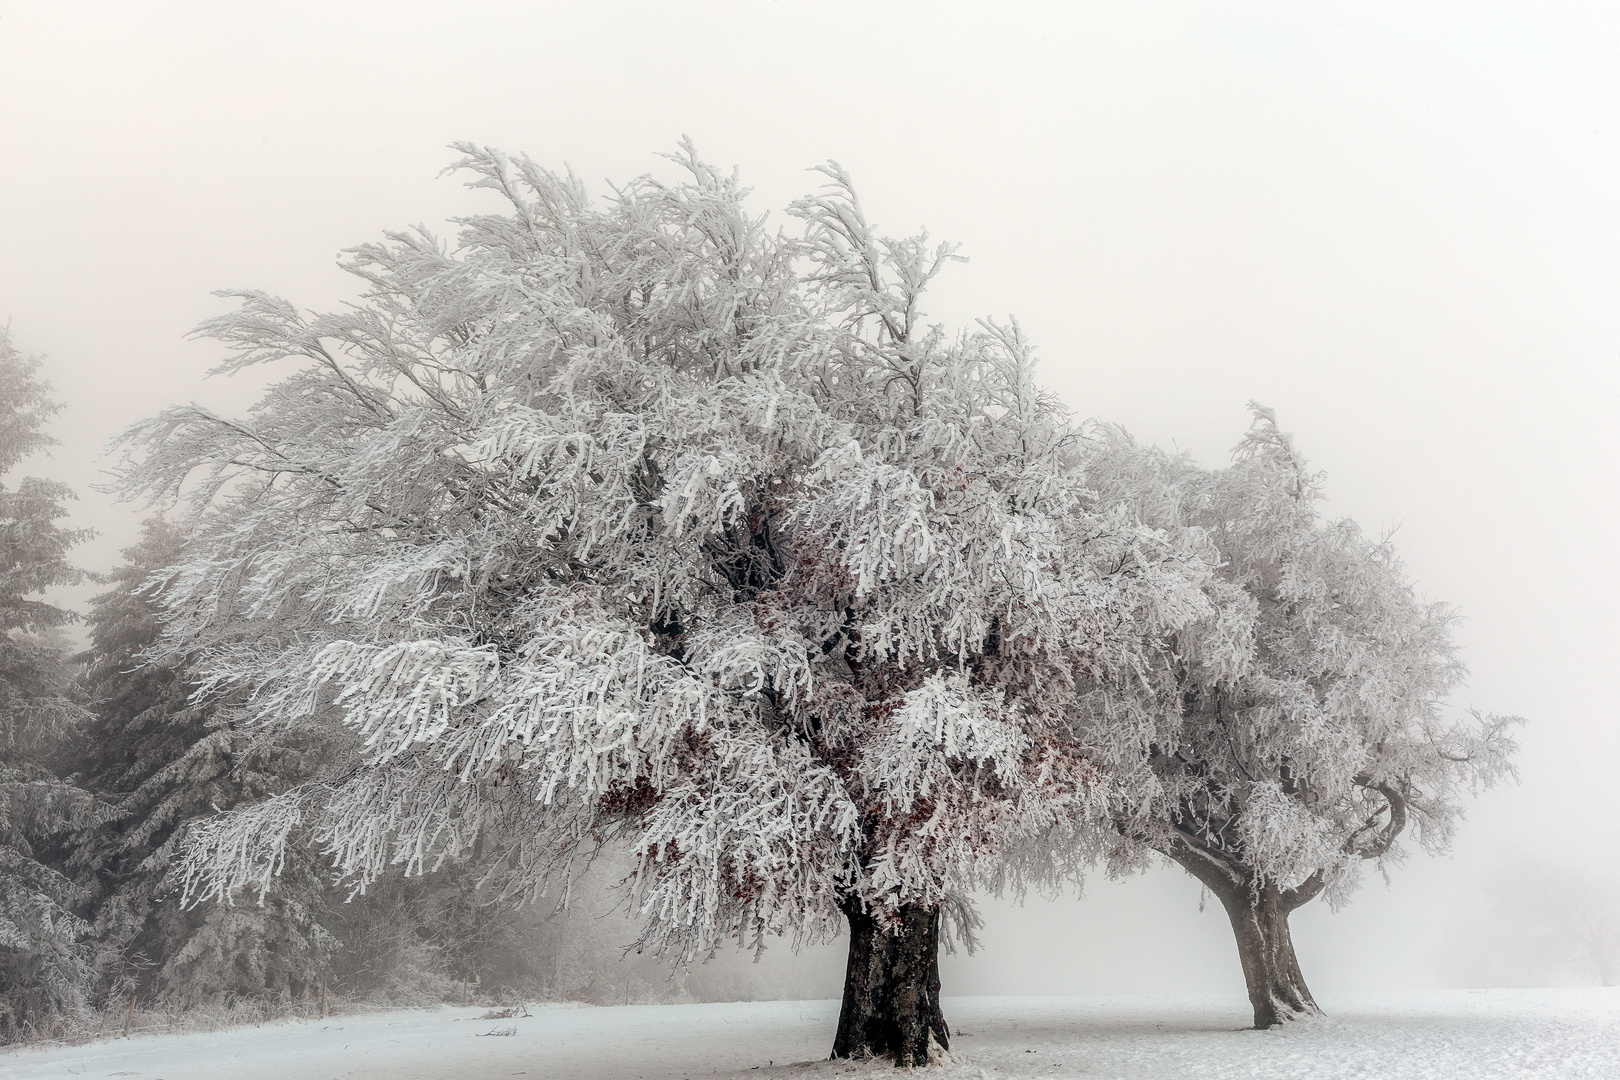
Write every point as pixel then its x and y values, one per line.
pixel 1298 731
pixel 159 760
pixel 639 520
pixel 43 961
pixel 140 724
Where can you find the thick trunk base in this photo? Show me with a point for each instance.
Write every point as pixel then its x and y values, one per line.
pixel 891 989
pixel 1277 990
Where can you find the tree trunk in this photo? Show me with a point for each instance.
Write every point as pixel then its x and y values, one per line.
pixel 1259 917
pixel 891 988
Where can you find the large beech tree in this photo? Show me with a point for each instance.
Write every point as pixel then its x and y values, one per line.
pixel 1301 729
pixel 635 519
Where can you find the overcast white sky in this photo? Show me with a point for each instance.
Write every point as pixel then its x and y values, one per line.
pixel 1397 224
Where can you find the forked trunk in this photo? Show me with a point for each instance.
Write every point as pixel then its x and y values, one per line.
pixel 1277 990
pixel 891 988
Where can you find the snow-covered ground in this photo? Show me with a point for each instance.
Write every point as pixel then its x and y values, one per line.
pixel 1563 1034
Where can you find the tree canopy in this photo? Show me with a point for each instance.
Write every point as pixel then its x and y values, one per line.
pixel 639 519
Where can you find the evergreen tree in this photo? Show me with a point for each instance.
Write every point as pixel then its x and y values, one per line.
pixel 44 962
pixel 141 724
pixel 160 760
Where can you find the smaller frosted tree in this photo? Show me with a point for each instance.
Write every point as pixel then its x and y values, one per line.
pixel 43 961
pixel 1301 729
pixel 1588 920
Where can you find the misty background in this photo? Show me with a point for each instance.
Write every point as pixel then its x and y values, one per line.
pixel 1396 226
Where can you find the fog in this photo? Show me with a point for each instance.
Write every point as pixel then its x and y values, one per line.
pixel 1397 227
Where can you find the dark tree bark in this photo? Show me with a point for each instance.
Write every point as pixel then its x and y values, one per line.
pixel 891 988
pixel 1259 916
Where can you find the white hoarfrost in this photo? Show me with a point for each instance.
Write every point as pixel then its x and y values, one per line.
pixel 639 520
pixel 1304 724
pixel 1299 727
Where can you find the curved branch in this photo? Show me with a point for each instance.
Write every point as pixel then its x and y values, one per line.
pixel 1384 838
pixel 1304 892
pixel 1213 867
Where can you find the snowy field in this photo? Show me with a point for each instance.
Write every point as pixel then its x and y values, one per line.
pixel 1572 1034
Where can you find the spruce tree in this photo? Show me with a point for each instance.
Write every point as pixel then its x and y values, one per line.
pixel 141 726
pixel 43 957
pixel 162 760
